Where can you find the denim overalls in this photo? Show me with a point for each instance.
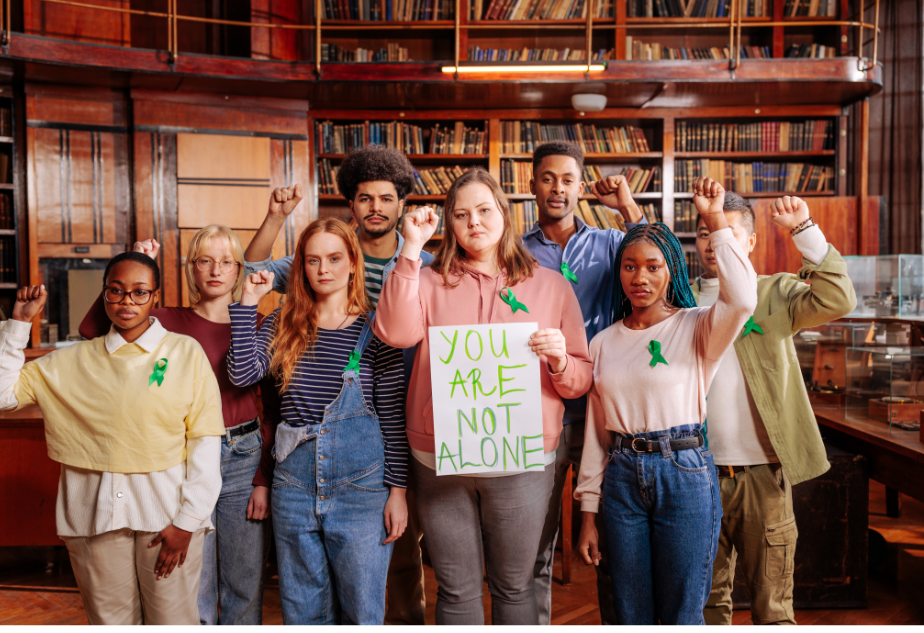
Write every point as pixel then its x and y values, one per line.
pixel 328 502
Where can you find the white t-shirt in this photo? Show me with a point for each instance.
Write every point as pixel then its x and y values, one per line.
pixel 737 436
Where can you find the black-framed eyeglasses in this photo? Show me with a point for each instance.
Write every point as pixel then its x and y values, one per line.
pixel 139 296
pixel 226 265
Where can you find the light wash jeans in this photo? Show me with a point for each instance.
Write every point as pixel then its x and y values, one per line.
pixel 662 514
pixel 478 524
pixel 234 555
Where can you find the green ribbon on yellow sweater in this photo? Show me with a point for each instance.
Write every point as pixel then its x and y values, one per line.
pixel 160 368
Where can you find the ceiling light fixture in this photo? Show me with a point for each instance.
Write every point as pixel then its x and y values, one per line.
pixel 525 69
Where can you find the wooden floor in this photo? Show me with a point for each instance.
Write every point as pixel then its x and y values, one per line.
pixel 37 587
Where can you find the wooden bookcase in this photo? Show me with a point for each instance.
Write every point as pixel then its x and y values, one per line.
pixel 9 220
pixel 658 125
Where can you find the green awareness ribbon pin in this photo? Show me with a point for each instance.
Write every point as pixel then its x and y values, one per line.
pixel 354 362
pixel 160 368
pixel 570 276
pixel 750 326
pixel 655 348
pixel 511 301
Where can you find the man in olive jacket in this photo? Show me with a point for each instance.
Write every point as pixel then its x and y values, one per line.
pixel 760 425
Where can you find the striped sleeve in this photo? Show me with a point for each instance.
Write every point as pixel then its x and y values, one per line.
pixel 248 360
pixel 388 399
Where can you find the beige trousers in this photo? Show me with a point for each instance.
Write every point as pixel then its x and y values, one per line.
pixel 115 574
pixel 758 525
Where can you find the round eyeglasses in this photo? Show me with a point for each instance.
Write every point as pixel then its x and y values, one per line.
pixel 205 264
pixel 115 295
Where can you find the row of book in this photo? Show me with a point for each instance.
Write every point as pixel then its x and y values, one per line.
pixel 327 177
pixel 515 176
pixel 685 216
pixel 637 50
pixel 407 137
pixel 393 53
pixel 535 54
pixel 436 181
pixel 599 216
pixel 755 177
pixel 694 268
pixel 518 137
pixel 695 8
pixel 524 215
pixel 765 136
pixel 640 180
pixel 810 8
pixel 7 221
pixel 811 51
pixel 537 9
pixel 389 10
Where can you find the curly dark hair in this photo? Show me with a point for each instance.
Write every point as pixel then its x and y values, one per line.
pixel 375 162
pixel 558 148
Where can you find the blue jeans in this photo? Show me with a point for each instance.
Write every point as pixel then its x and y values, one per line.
pixel 329 498
pixel 662 514
pixel 234 555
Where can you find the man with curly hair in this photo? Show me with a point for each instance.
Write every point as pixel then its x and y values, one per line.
pixel 376 182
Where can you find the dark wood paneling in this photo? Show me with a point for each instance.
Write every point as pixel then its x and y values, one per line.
pixel 79 23
pixel 275 44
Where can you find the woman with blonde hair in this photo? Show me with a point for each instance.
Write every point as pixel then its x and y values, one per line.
pixel 340 449
pixel 482 274
pixel 235 553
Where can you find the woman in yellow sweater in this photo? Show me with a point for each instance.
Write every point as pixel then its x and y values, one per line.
pixel 134 419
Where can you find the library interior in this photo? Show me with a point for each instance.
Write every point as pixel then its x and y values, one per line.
pixel 139 125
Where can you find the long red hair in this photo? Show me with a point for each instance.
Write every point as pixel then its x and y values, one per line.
pixel 297 323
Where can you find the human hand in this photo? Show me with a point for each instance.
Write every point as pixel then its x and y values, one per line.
pixel 256 286
pixel 148 247
pixel 174 544
pixel 283 200
pixel 395 514
pixel 589 540
pixel 708 197
pixel 789 212
pixel 29 302
pixel 614 192
pixel 258 508
pixel 551 347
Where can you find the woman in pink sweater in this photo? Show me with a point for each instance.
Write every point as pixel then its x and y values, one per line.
pixel 643 443
pixel 496 518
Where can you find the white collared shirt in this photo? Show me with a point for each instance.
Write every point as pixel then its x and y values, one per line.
pixel 93 502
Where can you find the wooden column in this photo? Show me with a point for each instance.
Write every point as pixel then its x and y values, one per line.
pixel 866 245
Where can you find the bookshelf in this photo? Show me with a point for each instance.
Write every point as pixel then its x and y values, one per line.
pixel 660 175
pixel 9 224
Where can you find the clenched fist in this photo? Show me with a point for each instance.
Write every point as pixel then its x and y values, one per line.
pixel 283 200
pixel 29 302
pixel 256 286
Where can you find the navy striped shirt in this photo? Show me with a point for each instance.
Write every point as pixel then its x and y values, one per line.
pixel 318 378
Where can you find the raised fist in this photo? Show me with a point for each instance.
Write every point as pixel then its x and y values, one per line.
pixel 789 212
pixel 148 247
pixel 708 196
pixel 256 286
pixel 283 200
pixel 420 225
pixel 29 302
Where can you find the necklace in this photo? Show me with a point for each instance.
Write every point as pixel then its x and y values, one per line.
pixel 342 322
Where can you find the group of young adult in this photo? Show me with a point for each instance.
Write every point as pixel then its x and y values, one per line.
pixel 342 455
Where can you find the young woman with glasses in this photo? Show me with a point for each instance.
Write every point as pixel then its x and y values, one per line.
pixel 341 449
pixel 235 554
pixel 134 419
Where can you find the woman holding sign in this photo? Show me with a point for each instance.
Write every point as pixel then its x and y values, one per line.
pixel 652 370
pixel 482 275
pixel 341 452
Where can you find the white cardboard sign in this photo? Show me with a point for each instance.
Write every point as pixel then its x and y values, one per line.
pixel 487 399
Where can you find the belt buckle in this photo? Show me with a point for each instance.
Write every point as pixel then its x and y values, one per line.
pixel 637 439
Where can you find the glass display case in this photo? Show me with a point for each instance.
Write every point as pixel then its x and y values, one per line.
pixel 886 384
pixel 887 285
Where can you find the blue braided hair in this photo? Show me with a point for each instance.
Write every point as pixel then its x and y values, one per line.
pixel 679 293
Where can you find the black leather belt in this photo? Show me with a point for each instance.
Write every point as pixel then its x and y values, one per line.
pixel 244 429
pixel 641 445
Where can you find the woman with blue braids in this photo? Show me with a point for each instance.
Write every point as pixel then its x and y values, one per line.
pixel 645 465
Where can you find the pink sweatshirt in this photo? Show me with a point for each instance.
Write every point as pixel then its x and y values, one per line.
pixel 413 300
pixel 629 396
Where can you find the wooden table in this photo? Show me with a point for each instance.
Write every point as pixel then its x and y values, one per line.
pixel 896 459
pixel 28 481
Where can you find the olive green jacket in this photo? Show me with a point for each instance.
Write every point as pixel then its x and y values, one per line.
pixel 785 305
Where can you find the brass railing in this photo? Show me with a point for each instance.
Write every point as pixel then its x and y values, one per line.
pixel 735 22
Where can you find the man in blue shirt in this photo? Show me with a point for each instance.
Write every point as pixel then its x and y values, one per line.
pixel 376 182
pixel 585 255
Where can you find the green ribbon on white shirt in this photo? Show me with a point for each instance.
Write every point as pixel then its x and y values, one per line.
pixel 655 348
pixel 160 368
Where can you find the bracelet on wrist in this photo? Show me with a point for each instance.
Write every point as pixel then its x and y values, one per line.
pixel 810 222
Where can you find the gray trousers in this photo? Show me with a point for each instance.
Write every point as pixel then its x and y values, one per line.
pixel 478 524
pixel 570 447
